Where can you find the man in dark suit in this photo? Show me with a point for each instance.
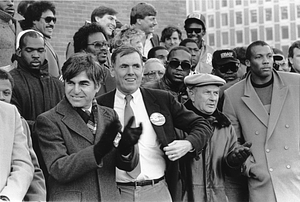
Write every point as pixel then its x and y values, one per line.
pixel 159 148
pixel 77 135
pixel 143 17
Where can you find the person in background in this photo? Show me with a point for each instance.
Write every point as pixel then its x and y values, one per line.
pixel 37 188
pixel 160 149
pixel 195 51
pixel 159 52
pixel 16 167
pixel 264 110
pixel 280 62
pixel 154 70
pixel 222 155
pixel 143 17
pixel 170 37
pixel 40 16
pixel 77 138
pixel 195 28
pixel 294 57
pixel 241 56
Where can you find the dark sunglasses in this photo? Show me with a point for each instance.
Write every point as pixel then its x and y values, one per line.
pixel 226 68
pixel 191 30
pixel 49 19
pixel 99 44
pixel 174 64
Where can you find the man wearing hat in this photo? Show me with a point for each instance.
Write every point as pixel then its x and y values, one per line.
pixel 195 29
pixel 222 155
pixel 225 65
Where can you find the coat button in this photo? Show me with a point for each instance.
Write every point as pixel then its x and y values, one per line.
pixel 267 150
pixel 288 166
pixel 286 147
pixel 256 133
pixel 287 126
pixel 271 169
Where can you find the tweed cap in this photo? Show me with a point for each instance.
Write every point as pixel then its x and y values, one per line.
pixel 202 79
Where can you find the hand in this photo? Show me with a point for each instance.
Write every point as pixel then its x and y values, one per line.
pixel 105 144
pixel 177 149
pixel 130 136
pixel 239 155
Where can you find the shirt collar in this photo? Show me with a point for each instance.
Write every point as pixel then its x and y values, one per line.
pixel 135 95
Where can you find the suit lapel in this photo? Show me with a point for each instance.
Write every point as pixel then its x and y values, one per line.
pixel 73 121
pixel 152 106
pixel 253 102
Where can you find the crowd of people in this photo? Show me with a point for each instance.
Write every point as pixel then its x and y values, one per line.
pixel 134 116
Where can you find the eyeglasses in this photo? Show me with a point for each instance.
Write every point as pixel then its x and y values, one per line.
pixel 231 67
pixel 191 30
pixel 174 64
pixel 99 44
pixel 49 19
pixel 152 74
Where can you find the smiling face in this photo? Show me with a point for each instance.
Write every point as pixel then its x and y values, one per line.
pixel 261 63
pixel 174 40
pixel 80 91
pixel 128 72
pixel 7 6
pixel 108 23
pixel 205 98
pixel 99 52
pixel 177 74
pixel 147 24
pixel 46 28
pixel 195 31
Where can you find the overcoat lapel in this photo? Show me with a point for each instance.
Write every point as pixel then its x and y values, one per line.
pixel 253 102
pixel 73 121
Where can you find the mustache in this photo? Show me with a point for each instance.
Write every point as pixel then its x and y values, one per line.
pixel 50 26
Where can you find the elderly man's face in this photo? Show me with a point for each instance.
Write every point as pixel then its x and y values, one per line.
pixel 205 98
pixel 7 6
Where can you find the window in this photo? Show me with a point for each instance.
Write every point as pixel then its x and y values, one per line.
pixel 224 18
pixel 225 38
pixel 253 1
pixel 224 3
pixel 268 14
pixel 238 2
pixel 298 28
pixel 197 5
pixel 239 36
pixel 284 32
pixel 211 39
pixel 238 18
pixel 210 4
pixel 268 0
pixel 284 13
pixel 254 36
pixel 253 15
pixel 298 11
pixel 269 34
pixel 211 22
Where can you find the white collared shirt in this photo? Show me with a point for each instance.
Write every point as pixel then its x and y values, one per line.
pixel 152 160
pixel 148 45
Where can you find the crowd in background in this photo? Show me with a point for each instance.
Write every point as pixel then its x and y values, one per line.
pixel 135 115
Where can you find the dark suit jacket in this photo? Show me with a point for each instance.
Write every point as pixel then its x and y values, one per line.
pixel 177 116
pixel 67 147
pixel 155 40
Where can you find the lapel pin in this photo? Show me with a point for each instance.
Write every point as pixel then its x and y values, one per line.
pixel 157 119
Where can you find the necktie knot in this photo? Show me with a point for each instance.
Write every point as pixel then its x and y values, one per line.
pixel 128 98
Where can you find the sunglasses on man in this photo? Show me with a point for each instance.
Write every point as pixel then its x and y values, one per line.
pixel 232 67
pixel 191 30
pixel 49 19
pixel 174 64
pixel 99 44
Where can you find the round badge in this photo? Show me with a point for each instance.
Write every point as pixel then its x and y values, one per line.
pixel 157 119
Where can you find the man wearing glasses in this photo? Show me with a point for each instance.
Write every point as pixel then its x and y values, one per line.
pixel 154 70
pixel 177 68
pixel 195 29
pixel 91 38
pixel 40 16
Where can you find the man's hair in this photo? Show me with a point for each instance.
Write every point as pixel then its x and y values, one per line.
pixel 294 45
pixel 153 60
pixel 80 38
pixel 168 31
pixel 4 75
pixel 140 11
pixel 240 53
pixel 125 35
pixel 124 50
pixel 152 51
pixel 23 5
pixel 176 48
pixel 253 44
pixel 35 11
pixel 83 62
pixel 187 40
pixel 101 11
pixel 32 34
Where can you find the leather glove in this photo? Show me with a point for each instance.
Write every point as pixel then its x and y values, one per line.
pixel 130 136
pixel 105 144
pixel 239 155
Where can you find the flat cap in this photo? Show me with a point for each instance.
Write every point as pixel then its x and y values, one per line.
pixel 202 79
